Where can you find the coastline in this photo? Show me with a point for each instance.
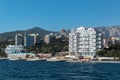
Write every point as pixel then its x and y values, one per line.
pixel 3 58
pixel 71 61
pixel 105 61
pixel 79 61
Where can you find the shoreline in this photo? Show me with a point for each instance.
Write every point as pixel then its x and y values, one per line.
pixel 105 61
pixel 3 58
pixel 76 61
pixel 79 61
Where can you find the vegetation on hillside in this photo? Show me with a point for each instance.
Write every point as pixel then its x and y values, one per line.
pixel 53 47
pixel 112 51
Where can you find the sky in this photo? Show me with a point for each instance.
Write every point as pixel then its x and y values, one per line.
pixel 55 15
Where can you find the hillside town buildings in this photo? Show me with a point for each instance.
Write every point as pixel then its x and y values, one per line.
pixel 32 39
pixel 111 41
pixel 63 33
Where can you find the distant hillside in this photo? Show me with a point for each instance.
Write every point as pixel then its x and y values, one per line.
pixel 110 31
pixel 11 35
pixel 107 31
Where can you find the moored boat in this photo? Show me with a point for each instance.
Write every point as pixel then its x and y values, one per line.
pixel 54 59
pixel 35 59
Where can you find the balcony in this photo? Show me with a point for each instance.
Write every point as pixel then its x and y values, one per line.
pixel 93 32
pixel 99 34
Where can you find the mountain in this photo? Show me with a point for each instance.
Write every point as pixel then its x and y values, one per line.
pixel 11 35
pixel 109 31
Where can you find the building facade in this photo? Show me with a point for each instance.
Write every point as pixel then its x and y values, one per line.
pixel 111 41
pixel 49 38
pixel 84 42
pixel 15 52
pixel 19 39
pixel 26 39
pixel 29 41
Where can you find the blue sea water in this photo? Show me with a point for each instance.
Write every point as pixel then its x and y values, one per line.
pixel 43 70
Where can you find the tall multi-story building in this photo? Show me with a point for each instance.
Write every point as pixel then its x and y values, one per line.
pixel 26 39
pixel 49 38
pixel 19 39
pixel 30 39
pixel 84 42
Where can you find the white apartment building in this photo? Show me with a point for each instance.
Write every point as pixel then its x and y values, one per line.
pixel 84 42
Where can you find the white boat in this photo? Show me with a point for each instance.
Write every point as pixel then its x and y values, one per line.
pixel 35 59
pixel 3 58
pixel 54 59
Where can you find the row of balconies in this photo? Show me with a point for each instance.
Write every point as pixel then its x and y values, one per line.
pixel 82 50
pixel 85 34
pixel 81 47
pixel 99 34
pixel 94 45
pixel 88 54
pixel 85 49
pixel 83 39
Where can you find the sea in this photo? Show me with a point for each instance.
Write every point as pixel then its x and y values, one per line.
pixel 44 70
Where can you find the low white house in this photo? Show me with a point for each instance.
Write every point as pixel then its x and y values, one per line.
pixel 15 52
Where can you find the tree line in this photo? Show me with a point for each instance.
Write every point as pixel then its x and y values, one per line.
pixel 53 47
pixel 58 45
pixel 112 51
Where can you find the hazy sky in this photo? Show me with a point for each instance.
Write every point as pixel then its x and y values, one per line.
pixel 57 14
